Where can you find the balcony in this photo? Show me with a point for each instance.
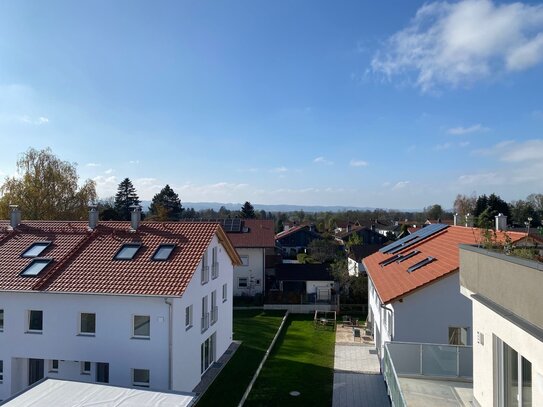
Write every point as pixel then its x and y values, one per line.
pixel 427 374
pixel 205 322
pixel 214 314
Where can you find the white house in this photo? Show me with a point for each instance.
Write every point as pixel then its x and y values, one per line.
pixel 127 303
pixel 356 254
pixel 507 327
pixel 253 239
pixel 414 289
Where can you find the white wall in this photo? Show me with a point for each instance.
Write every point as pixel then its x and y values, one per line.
pixel 489 323
pixel 254 269
pixel 311 286
pixel 354 268
pixel 113 341
pixel 427 314
pixel 383 326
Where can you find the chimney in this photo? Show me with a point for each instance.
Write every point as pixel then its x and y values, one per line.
pixel 501 222
pixel 455 217
pixel 93 217
pixel 14 216
pixel 135 217
pixel 469 220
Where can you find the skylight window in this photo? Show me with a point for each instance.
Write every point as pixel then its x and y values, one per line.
pixel 408 256
pixel 127 251
pixel 420 264
pixel 35 267
pixel 391 260
pixel 35 249
pixel 163 252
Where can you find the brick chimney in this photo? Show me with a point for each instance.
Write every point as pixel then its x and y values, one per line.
pixel 135 217
pixel 14 216
pixel 93 217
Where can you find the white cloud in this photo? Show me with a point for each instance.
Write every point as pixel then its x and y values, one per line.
pixel 458 43
pixel 145 181
pixel 521 152
pixel 92 165
pixel 459 131
pixel 42 120
pixel 279 170
pixel 135 162
pixel 400 185
pixel 358 163
pixel 322 160
pixel 106 186
pixel 108 171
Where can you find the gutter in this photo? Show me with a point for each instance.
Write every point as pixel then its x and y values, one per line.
pixel 170 341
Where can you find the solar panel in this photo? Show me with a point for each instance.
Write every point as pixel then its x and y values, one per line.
pixel 388 261
pixel 420 264
pixel 231 225
pixel 413 238
pixel 408 256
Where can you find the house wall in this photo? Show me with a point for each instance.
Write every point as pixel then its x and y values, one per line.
pixel 354 268
pixel 489 324
pixel 254 272
pixel 311 286
pixel 426 315
pixel 382 319
pixel 113 342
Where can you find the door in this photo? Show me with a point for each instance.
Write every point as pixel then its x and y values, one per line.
pixel 35 370
pixel 102 372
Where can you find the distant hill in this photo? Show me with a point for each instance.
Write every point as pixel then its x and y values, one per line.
pixel 268 208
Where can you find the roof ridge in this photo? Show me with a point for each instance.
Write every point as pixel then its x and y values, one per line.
pixel 47 278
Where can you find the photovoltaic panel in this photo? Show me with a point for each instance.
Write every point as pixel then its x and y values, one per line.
pixel 231 225
pixel 413 238
pixel 420 264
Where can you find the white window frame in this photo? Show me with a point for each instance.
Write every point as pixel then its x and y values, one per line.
pixel 205 269
pixel 460 333
pixel 246 282
pixel 80 332
pixel 134 336
pixel 34 331
pixel 188 317
pixel 52 368
pixel 85 371
pixel 224 292
pixel 244 260
pixel 141 384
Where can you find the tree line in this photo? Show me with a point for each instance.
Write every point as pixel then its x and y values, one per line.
pixel 47 188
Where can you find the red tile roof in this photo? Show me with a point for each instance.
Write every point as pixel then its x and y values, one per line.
pixel 84 263
pixel 261 233
pixel 394 281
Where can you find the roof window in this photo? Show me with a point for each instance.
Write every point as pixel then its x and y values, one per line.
pixel 390 260
pixel 35 249
pixel 127 251
pixel 420 264
pixel 35 267
pixel 408 256
pixel 163 252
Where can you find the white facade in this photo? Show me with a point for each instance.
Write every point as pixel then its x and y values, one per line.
pixel 422 316
pixel 249 278
pixel 113 341
pixel 355 268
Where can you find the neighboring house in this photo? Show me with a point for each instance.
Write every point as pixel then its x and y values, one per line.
pixel 295 240
pixel 357 253
pixel 368 235
pixel 143 304
pixel 254 241
pixel 505 292
pixel 313 281
pixel 345 226
pixel 414 290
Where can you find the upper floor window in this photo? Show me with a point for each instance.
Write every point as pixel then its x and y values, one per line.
pixel 458 336
pixel 224 292
pixel 205 269
pixel 1 320
pixel 163 252
pixel 127 251
pixel 35 249
pixel 188 317
pixel 242 282
pixel 142 326
pixel 35 321
pixel 87 323
pixel 35 267
pixel 1 371
pixel 214 263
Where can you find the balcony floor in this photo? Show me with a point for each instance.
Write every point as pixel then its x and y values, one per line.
pixel 420 392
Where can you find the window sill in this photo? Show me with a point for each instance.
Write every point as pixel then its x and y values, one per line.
pixel 188 327
pixel 205 282
pixel 141 338
pixel 34 332
pixel 85 374
pixel 85 334
pixel 213 323
pixel 140 385
pixel 224 300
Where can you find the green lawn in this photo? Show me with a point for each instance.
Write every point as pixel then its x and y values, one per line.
pixel 256 329
pixel 302 360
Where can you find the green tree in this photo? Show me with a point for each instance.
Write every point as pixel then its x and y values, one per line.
pixel 354 240
pixel 323 250
pixel 434 212
pixel 166 205
pixel 46 188
pixel 522 210
pixel 487 207
pixel 125 198
pixel 248 211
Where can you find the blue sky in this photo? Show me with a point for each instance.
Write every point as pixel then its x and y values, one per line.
pixel 388 104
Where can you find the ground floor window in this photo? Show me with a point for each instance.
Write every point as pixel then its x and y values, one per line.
pixel 207 352
pixel 53 366
pixel 102 372
pixel 513 373
pixel 140 377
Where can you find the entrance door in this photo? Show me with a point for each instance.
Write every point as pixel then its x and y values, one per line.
pixel 35 370
pixel 102 372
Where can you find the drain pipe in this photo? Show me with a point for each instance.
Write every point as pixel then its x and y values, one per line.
pixel 392 321
pixel 170 341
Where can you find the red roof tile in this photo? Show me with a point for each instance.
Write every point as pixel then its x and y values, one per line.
pixel 260 233
pixel 83 260
pixel 393 280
